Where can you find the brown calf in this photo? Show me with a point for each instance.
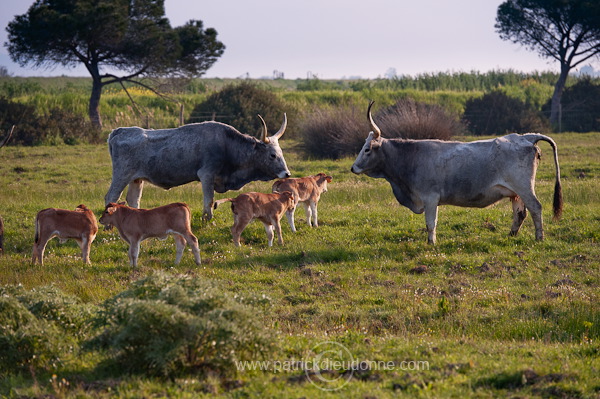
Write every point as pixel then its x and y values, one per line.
pixel 79 224
pixel 306 190
pixel 268 208
pixel 135 225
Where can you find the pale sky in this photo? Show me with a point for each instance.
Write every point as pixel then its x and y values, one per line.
pixel 333 39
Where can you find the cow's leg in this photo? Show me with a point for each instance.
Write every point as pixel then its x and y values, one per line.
pixel 117 186
pixel 308 211
pixel 180 246
pixel 87 246
pixel 85 243
pixel 239 224
pixel 134 251
pixel 313 206
pixel 38 252
pixel 290 218
pixel 534 207
pixel 39 248
pixel 269 230
pixel 277 227
pixel 431 214
pixel 208 191
pixel 519 215
pixel 134 193
pixel 193 243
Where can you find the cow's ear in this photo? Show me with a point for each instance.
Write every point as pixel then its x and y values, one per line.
pixel 329 179
pixel 121 203
pixel 111 209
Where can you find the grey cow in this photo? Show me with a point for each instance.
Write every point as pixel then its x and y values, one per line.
pixel 427 173
pixel 216 154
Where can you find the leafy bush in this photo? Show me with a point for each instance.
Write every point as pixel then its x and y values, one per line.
pixel 239 104
pixel 168 326
pixel 338 132
pixel 496 113
pixel 580 107
pixel 56 127
pixel 36 328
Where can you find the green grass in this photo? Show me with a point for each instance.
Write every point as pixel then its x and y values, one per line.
pixel 492 315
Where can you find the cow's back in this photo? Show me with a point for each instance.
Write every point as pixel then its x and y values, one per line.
pixel 172 157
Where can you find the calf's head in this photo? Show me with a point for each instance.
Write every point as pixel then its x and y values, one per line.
pixel 287 198
pixel 369 158
pixel 108 216
pixel 270 156
pixel 322 180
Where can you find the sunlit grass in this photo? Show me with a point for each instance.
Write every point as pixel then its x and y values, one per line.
pixel 481 307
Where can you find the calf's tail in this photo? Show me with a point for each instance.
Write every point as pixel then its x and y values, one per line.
pixel 222 201
pixel 36 238
pixel 558 197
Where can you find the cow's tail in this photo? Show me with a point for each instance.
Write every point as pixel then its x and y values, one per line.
pixel 222 201
pixel 558 197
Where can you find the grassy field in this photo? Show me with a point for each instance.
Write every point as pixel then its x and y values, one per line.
pixel 480 314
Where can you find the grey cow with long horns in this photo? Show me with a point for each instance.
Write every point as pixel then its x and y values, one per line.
pixel 216 154
pixel 427 173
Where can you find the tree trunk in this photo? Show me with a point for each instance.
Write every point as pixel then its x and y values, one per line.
pixel 94 106
pixel 559 87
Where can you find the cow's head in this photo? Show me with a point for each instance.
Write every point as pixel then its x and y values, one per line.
pixel 271 157
pixel 369 159
pixel 107 218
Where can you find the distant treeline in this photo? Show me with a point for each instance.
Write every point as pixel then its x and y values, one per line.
pixel 65 99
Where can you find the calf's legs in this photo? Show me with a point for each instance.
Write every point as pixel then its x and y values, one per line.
pixel 180 241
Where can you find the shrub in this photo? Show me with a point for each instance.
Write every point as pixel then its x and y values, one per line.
pixel 338 132
pixel 409 119
pixel 496 113
pixel 51 304
pixel 36 328
pixel 239 104
pixel 580 107
pixel 333 132
pixel 168 326
pixel 56 127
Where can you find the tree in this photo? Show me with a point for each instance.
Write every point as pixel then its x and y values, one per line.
pixel 132 37
pixel 565 30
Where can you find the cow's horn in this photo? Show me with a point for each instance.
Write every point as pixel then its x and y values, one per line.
pixel 376 130
pixel 263 136
pixel 281 130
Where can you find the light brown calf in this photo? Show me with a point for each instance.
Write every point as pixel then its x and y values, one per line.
pixel 306 190
pixel 79 224
pixel 268 208
pixel 135 225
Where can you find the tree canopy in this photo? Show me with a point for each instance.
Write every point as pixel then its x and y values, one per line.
pixel 132 37
pixel 565 30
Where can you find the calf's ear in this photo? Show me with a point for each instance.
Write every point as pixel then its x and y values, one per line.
pixel 111 209
pixel 329 179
